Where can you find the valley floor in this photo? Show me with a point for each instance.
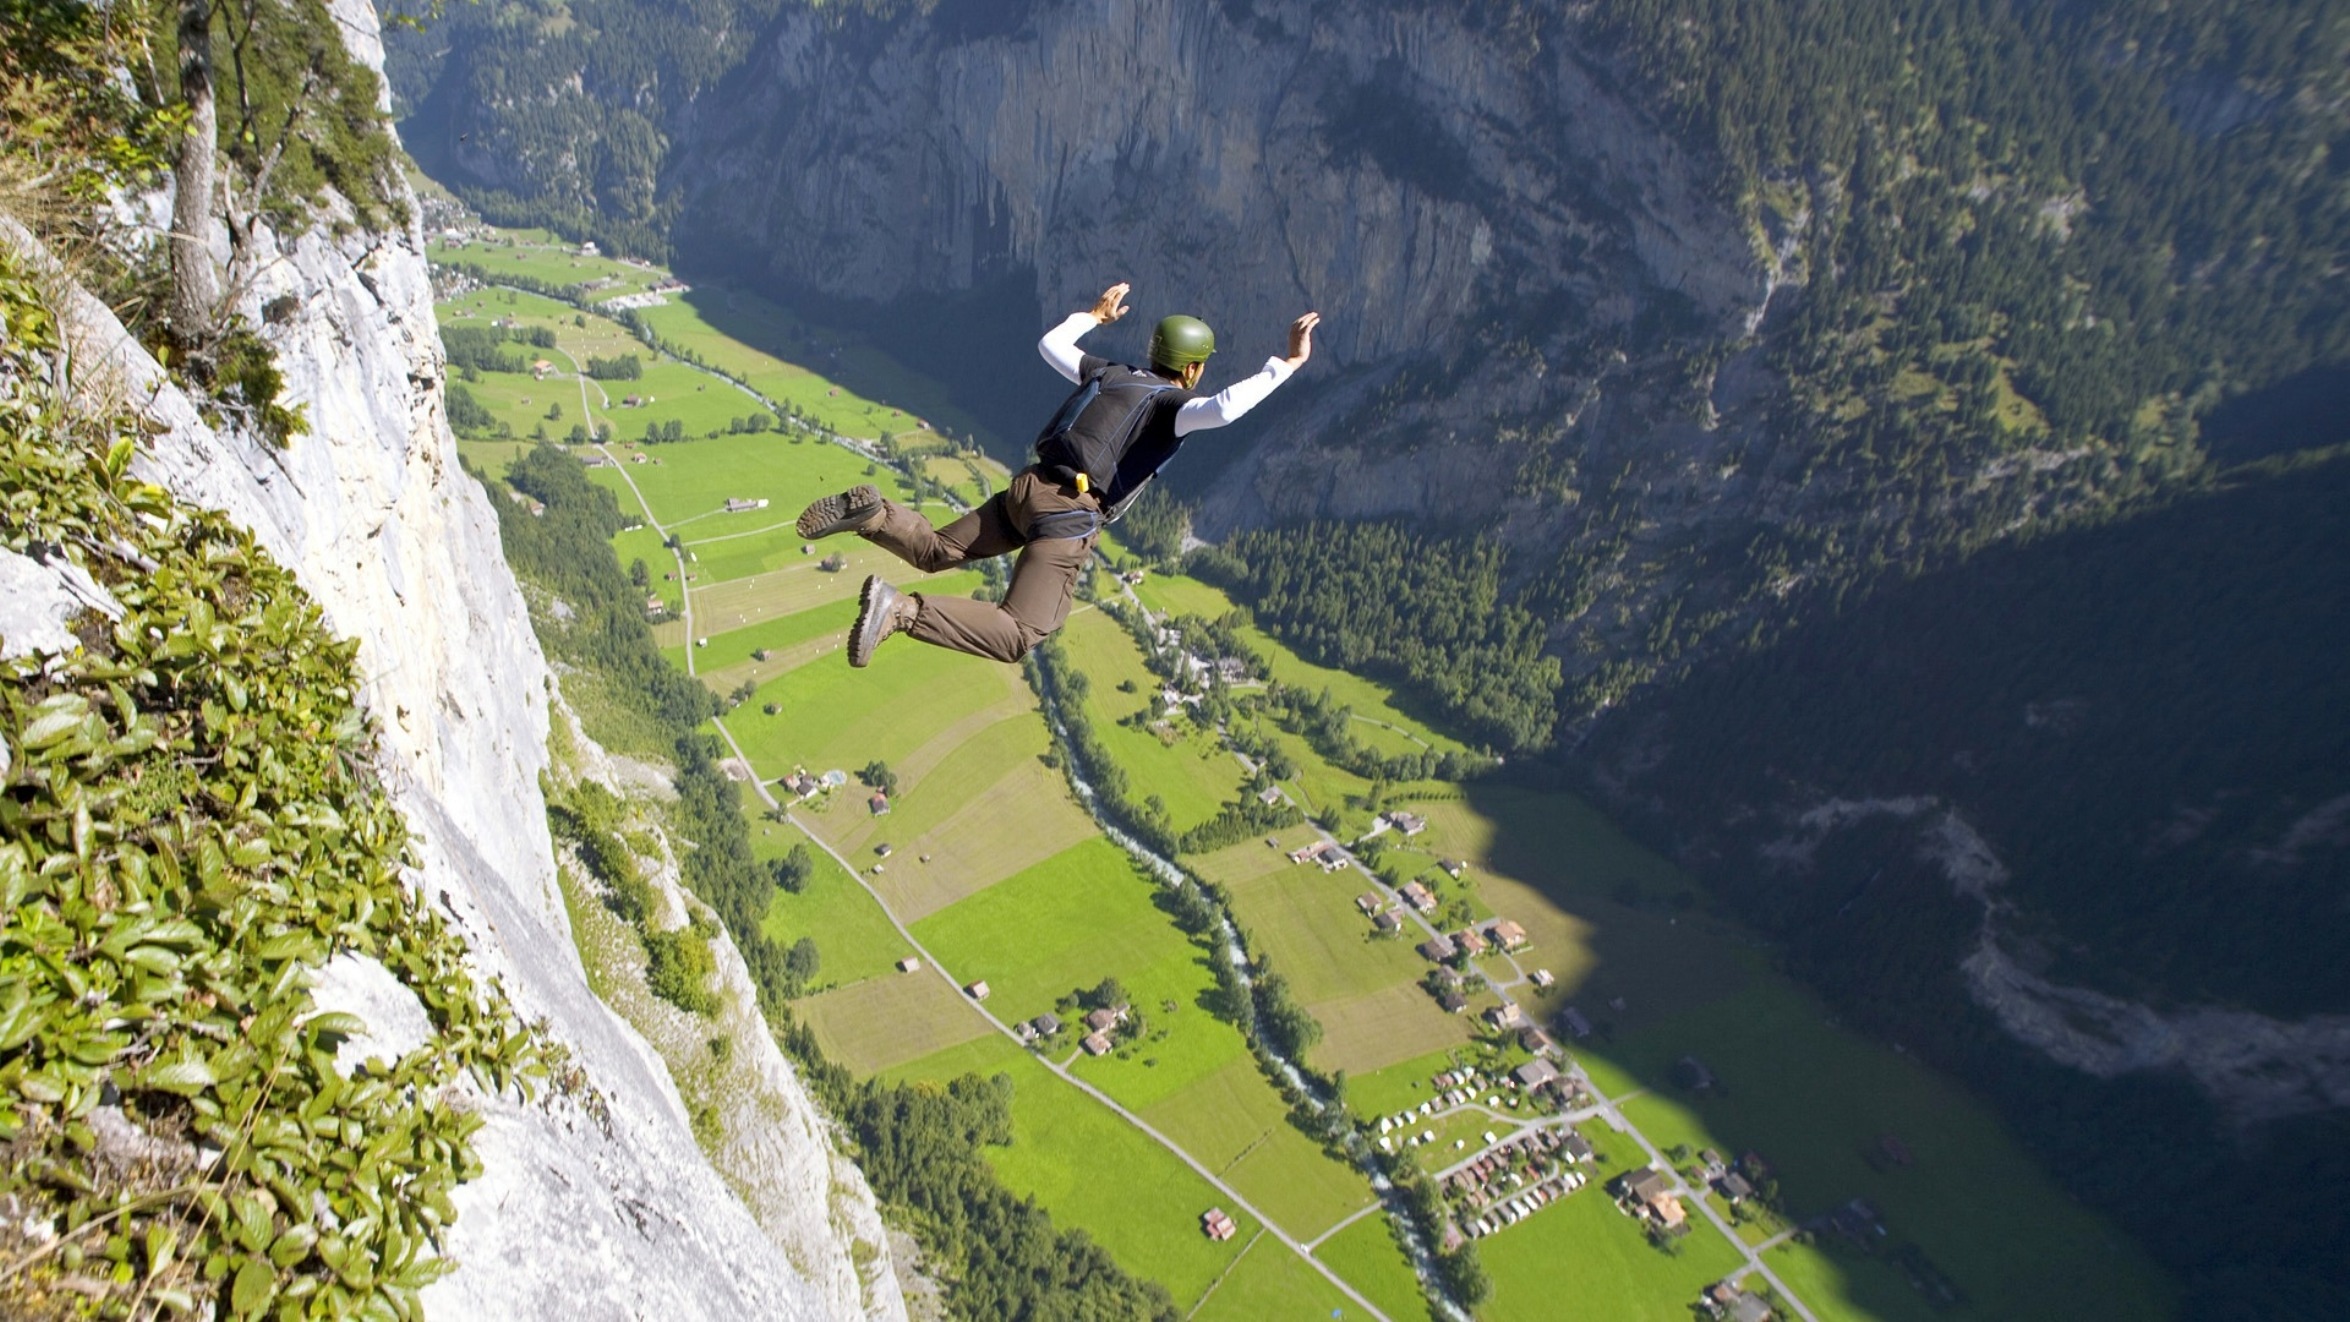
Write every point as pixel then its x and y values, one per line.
pixel 1880 1189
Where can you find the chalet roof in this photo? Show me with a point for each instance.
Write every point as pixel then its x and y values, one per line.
pixel 1646 1183
pixel 1535 1073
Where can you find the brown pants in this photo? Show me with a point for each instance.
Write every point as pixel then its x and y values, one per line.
pixel 1043 579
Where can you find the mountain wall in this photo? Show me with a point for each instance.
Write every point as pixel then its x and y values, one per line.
pixel 595 1201
pixel 1508 250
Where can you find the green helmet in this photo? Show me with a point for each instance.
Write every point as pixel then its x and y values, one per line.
pixel 1181 341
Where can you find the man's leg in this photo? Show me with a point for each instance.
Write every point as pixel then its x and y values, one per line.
pixel 1043 581
pixel 982 534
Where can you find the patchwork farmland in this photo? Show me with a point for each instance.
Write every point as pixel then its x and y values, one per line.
pixel 950 840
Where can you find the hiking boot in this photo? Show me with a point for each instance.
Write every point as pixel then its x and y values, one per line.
pixel 882 610
pixel 857 509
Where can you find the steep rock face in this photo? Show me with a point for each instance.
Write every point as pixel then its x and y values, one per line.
pixel 1498 239
pixel 596 1202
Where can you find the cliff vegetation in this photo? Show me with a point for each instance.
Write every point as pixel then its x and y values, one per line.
pixel 190 829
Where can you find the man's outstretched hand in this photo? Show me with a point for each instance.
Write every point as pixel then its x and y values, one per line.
pixel 1112 304
pixel 1301 339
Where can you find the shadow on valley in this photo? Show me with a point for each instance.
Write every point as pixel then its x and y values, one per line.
pixel 974 349
pixel 2149 725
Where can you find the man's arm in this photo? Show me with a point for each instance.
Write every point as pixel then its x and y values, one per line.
pixel 1227 405
pixel 1059 345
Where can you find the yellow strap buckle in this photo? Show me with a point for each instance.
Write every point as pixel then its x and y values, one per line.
pixel 1083 484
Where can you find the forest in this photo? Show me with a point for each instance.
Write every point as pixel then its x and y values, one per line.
pixel 1380 600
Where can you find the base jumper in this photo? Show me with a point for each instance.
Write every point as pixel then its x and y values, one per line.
pixel 1118 429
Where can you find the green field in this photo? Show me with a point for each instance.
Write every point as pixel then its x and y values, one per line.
pixel 1094 1170
pixel 1581 1258
pixel 1269 1281
pixel 850 931
pixel 1367 1256
pixel 1187 769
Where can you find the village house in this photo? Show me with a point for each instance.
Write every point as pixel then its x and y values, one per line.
pixel 1438 948
pixel 977 991
pixel 909 964
pixel 878 805
pixel 1542 979
pixel 1731 1304
pixel 1105 1019
pixel 1453 1002
pixel 800 784
pixel 1453 868
pixel 1733 1188
pixel 1096 1044
pixel 1370 902
pixel 1216 1224
pixel 540 368
pixel 1575 1025
pixel 1509 1017
pixel 1269 796
pixel 1409 823
pixel 1325 852
pixel 742 504
pixel 1046 1024
pixel 1577 1148
pixel 1649 1196
pixel 1535 1073
pixel 1535 1040
pixel 1025 1032
pixel 1471 942
pixel 1231 669
pixel 1417 896
pixel 596 459
pixel 1386 921
pixel 1506 934
pixel 884 849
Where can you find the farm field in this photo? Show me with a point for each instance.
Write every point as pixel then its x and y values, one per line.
pixel 1365 1254
pixel 1189 771
pixel 1001 874
pixel 1132 1196
pixel 1270 1282
pixel 1581 1258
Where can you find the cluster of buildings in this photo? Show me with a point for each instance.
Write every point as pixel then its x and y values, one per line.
pixel 1329 853
pixel 1410 824
pixel 1099 1025
pixel 1647 1193
pixel 1516 1179
pixel 802 784
pixel 1040 1028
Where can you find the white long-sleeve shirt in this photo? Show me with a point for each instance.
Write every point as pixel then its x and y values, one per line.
pixel 1059 347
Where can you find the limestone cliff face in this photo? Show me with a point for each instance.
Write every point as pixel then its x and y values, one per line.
pixel 596 1202
pixel 1495 234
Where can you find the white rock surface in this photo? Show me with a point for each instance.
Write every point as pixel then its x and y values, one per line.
pixel 585 1212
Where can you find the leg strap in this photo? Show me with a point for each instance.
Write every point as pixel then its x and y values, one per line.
pixel 1064 525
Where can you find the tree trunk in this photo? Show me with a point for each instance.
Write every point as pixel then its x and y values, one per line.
pixel 195 286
